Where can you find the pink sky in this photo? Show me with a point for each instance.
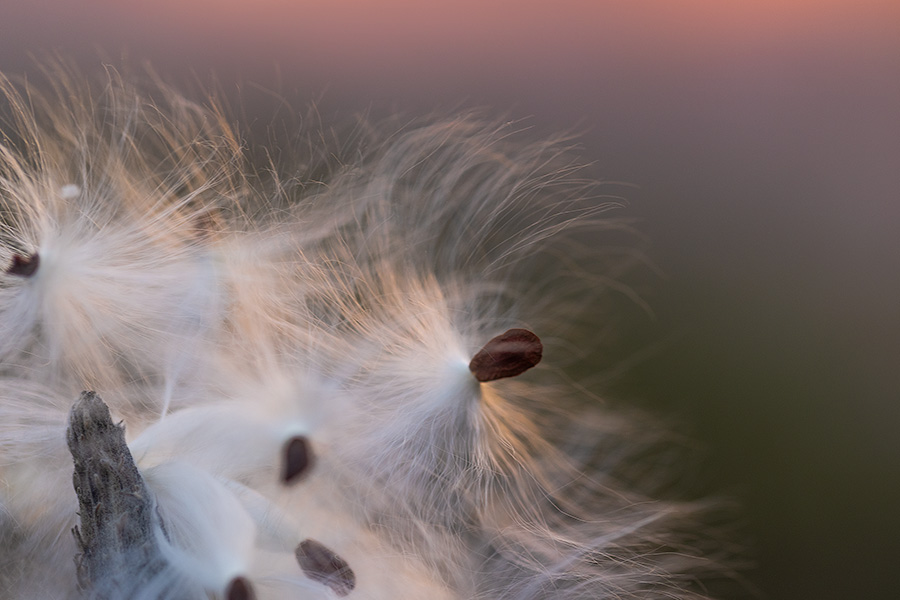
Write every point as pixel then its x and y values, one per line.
pixel 383 38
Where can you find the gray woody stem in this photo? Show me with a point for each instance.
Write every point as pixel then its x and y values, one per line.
pixel 116 537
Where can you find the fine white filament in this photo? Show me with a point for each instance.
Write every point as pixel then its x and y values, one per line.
pixel 288 346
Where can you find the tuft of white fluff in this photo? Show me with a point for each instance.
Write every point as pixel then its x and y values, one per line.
pixel 288 346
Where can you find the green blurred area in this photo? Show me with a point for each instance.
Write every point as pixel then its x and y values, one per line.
pixel 779 323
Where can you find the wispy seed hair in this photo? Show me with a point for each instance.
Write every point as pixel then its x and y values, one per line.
pixel 340 373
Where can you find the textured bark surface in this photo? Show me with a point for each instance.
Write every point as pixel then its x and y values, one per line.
pixel 116 539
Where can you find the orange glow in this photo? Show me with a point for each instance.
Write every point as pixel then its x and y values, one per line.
pixel 356 32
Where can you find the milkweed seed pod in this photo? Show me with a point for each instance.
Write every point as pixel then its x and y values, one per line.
pixel 329 377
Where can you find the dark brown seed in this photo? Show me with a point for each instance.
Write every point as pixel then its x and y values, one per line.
pixel 507 355
pixel 24 266
pixel 324 566
pixel 239 589
pixel 298 460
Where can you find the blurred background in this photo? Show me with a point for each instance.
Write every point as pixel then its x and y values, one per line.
pixel 760 141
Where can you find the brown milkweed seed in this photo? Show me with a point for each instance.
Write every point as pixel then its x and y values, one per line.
pixel 24 266
pixel 297 459
pixel 239 589
pixel 324 566
pixel 507 355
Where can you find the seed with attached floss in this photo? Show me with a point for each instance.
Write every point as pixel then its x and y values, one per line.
pixel 24 266
pixel 297 460
pixel 324 566
pixel 507 355
pixel 239 589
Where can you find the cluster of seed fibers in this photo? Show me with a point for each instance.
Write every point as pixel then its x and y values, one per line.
pixel 339 375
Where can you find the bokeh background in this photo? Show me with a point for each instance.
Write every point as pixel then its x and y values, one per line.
pixel 760 141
